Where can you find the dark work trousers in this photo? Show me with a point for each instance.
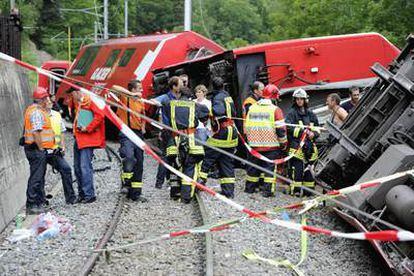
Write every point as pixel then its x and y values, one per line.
pixel 253 174
pixel 35 194
pixel 59 164
pixel 190 168
pixel 299 175
pixel 133 165
pixel 82 162
pixel 162 172
pixel 226 169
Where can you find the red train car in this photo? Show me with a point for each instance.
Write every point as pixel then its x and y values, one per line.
pixel 331 63
pixel 116 61
pixel 59 67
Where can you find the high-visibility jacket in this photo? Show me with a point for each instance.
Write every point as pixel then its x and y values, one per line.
pixel 307 118
pixel 132 120
pixel 222 107
pixel 56 121
pixel 261 129
pixel 184 115
pixel 247 103
pixel 47 135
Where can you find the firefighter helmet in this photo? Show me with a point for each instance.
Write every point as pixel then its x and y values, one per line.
pixel 300 93
pixel 40 93
pixel 271 92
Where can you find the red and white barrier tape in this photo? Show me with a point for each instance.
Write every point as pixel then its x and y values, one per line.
pixel 390 235
pixel 279 161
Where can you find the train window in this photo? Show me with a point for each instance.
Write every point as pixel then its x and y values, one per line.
pixel 126 57
pixel 112 57
pixel 85 61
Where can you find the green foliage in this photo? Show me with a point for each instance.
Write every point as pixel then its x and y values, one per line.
pixel 232 23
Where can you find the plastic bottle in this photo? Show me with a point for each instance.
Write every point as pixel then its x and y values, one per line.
pixel 49 233
pixel 18 220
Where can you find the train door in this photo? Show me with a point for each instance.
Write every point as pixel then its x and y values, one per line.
pixel 248 66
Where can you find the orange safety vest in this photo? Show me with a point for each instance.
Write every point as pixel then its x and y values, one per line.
pixel 47 135
pixel 133 121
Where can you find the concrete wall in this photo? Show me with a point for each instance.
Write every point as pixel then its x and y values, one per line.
pixel 15 95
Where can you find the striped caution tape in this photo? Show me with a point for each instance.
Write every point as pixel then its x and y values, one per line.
pixel 215 227
pixel 275 161
pixel 280 123
pixel 100 103
pixel 311 203
pixel 253 256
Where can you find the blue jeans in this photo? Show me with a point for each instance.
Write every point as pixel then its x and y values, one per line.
pixel 82 161
pixel 35 193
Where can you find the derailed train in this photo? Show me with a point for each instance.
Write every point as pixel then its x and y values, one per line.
pixel 377 139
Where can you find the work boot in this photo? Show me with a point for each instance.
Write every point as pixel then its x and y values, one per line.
pixel 158 185
pixel 267 194
pixel 186 200
pixel 175 193
pixel 139 199
pixel 35 210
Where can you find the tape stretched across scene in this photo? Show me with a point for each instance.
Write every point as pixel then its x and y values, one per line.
pixel 99 102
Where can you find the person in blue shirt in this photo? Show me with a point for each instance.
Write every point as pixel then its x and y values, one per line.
pixel 354 94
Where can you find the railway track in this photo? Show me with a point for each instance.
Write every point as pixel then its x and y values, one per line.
pixel 201 248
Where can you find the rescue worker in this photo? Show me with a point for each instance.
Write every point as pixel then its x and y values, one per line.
pixel 38 139
pixel 87 138
pixel 256 95
pixel 305 157
pixel 56 158
pixel 266 137
pixel 174 93
pixel 132 155
pixel 224 137
pixel 183 152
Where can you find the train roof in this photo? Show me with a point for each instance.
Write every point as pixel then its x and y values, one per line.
pixel 301 41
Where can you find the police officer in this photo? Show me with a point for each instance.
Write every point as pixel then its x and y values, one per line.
pixel 266 137
pixel 38 138
pixel 132 155
pixel 224 137
pixel 299 164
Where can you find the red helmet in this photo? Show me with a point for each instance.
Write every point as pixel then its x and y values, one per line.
pixel 271 92
pixel 40 93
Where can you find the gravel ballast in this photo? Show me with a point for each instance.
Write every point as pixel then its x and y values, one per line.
pixel 65 254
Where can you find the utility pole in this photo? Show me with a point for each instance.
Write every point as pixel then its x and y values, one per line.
pixel 96 32
pixel 187 15
pixel 126 17
pixel 105 19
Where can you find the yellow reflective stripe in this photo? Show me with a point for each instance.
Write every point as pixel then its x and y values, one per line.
pixel 297 130
pixel 293 185
pixel 188 104
pixel 227 102
pixel 252 178
pixel 136 184
pixel 298 154
pixel 203 175
pixel 315 153
pixel 314 129
pixel 126 175
pixel 196 150
pixel 191 116
pixel 310 184
pixel 172 150
pixel 269 180
pixel 173 122
pixel 222 143
pixel 227 180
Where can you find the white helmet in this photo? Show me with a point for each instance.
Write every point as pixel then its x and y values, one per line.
pixel 300 93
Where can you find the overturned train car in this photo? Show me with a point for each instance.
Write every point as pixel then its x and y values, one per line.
pixel 320 65
pixel 376 140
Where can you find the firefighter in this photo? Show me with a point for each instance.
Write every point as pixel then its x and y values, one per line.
pixel 224 137
pixel 266 137
pixel 132 156
pixel 38 139
pixel 299 165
